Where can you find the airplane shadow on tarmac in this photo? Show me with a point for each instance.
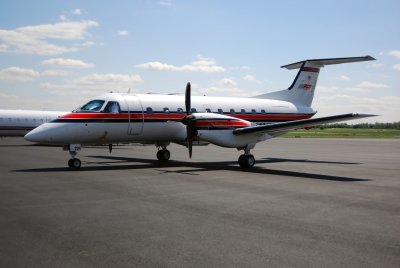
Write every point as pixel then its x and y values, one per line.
pixel 194 168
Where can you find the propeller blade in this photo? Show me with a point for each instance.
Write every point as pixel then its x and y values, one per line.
pixel 187 99
pixel 190 133
pixel 189 120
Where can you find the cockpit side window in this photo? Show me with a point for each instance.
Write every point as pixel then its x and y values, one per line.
pixel 92 106
pixel 112 107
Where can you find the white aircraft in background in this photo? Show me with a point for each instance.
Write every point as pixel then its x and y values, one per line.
pixel 161 119
pixel 16 123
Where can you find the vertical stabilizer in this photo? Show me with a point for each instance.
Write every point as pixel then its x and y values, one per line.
pixel 301 92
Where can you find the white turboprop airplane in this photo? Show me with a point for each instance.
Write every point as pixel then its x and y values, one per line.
pixel 161 119
pixel 16 123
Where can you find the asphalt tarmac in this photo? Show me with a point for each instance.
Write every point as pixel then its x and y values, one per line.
pixel 306 203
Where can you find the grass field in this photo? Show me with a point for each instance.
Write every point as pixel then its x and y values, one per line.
pixel 345 133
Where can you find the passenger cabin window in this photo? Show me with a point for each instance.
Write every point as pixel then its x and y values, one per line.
pixel 166 110
pixel 262 111
pixel 149 110
pixel 220 111
pixel 92 106
pixel 253 111
pixel 243 111
pixel 232 111
pixel 208 110
pixel 193 110
pixel 180 110
pixel 112 107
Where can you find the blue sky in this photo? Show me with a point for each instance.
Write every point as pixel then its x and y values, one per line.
pixel 56 55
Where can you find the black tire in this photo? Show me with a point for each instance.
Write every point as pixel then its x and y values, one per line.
pixel 74 163
pixel 246 161
pixel 163 155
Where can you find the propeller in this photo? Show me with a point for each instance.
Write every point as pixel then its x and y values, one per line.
pixel 189 120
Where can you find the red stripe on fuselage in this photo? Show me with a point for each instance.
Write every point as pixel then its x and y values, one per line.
pixel 178 116
pixel 221 123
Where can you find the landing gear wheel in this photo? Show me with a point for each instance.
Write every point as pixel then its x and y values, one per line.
pixel 163 155
pixel 246 161
pixel 74 163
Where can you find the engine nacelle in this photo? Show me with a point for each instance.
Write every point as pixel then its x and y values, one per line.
pixel 225 138
pixel 217 129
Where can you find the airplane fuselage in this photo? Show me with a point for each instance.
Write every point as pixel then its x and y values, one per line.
pixel 150 118
pixel 16 123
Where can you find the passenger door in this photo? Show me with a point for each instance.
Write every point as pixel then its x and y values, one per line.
pixel 135 126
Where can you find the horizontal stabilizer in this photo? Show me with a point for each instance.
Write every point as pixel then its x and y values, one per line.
pixel 291 125
pixel 322 62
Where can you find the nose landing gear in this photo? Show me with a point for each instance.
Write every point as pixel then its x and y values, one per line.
pixel 73 151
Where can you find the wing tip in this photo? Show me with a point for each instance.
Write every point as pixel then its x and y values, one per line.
pixel 361 115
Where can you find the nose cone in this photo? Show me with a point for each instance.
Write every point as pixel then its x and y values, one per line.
pixel 38 134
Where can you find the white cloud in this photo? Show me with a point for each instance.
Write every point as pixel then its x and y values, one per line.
pixel 228 81
pixel 55 73
pixel 69 63
pixel 377 65
pixel 371 85
pixel 123 33
pixel 37 39
pixel 251 78
pixel 63 18
pixel 341 78
pixel 394 53
pixel 396 67
pixel 77 12
pixel 207 65
pixel 18 74
pixel 327 89
pixel 93 84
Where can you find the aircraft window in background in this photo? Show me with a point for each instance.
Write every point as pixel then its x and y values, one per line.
pixel 112 107
pixel 193 110
pixel 232 111
pixel 180 110
pixel 208 110
pixel 166 110
pixel 243 111
pixel 253 111
pixel 149 110
pixel 262 111
pixel 92 106
pixel 220 111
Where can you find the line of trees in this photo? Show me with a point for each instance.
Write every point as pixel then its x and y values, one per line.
pixel 394 125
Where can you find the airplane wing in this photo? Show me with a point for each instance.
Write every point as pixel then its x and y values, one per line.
pixel 291 125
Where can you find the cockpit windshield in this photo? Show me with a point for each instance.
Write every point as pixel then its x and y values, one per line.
pixel 92 106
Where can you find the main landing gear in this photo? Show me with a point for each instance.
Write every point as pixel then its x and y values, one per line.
pixel 247 160
pixel 163 154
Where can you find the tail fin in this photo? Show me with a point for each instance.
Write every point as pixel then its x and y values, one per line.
pixel 301 92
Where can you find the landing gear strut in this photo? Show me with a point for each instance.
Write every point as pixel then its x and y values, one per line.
pixel 73 151
pixel 247 160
